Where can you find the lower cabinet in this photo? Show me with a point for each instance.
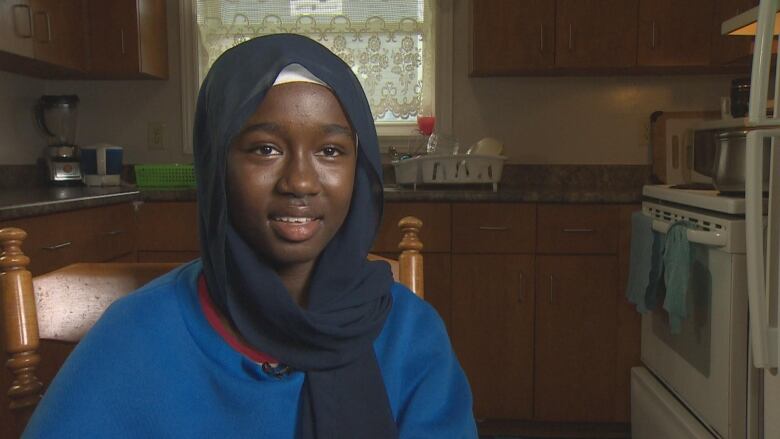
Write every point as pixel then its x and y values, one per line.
pixel 98 234
pixel 575 340
pixel 493 331
pixel 167 231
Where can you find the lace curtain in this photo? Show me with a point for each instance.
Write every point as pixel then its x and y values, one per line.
pixel 388 43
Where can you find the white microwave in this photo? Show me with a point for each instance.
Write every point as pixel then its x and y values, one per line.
pixel 690 145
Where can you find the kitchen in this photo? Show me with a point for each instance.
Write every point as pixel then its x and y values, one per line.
pixel 576 128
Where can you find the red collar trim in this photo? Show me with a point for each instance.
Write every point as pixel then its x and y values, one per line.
pixel 210 311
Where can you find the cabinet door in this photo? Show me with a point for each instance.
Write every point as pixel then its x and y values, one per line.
pixel 113 36
pixel 59 32
pixel 128 39
pixel 596 33
pixel 731 49
pixel 575 338
pixel 492 331
pixel 674 33
pixel 167 232
pixel 512 36
pixel 16 27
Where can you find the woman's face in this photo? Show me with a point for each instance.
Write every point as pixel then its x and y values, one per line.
pixel 290 174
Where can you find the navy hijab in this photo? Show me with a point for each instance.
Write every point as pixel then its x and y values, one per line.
pixel 343 395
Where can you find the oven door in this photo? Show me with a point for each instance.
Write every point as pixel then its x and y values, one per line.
pixel 705 365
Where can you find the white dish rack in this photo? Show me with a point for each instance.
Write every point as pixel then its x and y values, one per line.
pixel 450 169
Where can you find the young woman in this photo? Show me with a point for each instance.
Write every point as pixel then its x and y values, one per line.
pixel 282 329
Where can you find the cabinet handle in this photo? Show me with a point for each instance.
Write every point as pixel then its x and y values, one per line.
pixel 29 22
pixel 652 36
pixel 551 288
pixel 571 43
pixel 58 246
pixel 520 290
pixel 114 232
pixel 48 27
pixel 541 38
pixel 578 230
pixel 122 37
pixel 494 228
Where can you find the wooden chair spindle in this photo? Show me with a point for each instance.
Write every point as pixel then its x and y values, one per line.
pixel 411 260
pixel 21 322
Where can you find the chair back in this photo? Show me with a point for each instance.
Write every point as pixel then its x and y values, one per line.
pixel 64 304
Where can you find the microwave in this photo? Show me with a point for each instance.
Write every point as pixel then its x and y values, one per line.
pixel 690 144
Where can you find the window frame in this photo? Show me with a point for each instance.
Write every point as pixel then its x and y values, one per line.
pixel 388 132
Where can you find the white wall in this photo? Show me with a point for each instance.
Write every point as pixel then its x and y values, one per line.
pixel 20 142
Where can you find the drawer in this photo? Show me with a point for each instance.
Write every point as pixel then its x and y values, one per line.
pixel 435 232
pixel 96 234
pixel 52 240
pixel 578 229
pixel 493 228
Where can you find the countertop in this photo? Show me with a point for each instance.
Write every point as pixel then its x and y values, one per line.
pixel 18 203
pixel 519 183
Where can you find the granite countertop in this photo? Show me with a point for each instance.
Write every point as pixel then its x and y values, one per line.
pixel 533 184
pixel 16 203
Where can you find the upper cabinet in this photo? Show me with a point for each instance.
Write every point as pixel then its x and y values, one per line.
pixel 674 33
pixel 604 36
pixel 16 35
pixel 586 36
pixel 84 39
pixel 59 33
pixel 731 49
pixel 512 36
pixel 128 39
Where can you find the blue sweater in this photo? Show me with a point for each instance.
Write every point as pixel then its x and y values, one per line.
pixel 153 367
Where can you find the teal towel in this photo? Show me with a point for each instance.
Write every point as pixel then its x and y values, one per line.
pixel 677 268
pixel 646 262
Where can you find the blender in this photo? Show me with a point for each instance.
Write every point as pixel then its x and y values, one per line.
pixel 57 117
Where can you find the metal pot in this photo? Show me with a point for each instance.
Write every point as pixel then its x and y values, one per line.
pixel 728 168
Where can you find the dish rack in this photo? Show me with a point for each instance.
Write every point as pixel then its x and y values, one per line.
pixel 164 176
pixel 450 169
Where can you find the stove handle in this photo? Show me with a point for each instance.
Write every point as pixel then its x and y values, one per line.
pixel 712 239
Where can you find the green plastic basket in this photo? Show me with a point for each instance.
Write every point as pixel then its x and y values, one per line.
pixel 165 176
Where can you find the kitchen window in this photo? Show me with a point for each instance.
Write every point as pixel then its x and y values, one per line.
pixel 388 43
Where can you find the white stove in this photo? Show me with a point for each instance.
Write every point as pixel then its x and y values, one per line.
pixel 703 199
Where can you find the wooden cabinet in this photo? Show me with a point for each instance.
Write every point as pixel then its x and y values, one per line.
pixel 577 229
pixel 586 36
pixel 168 231
pixel 575 338
pixel 84 39
pixel 674 33
pixel 492 305
pixel 128 39
pixel 536 37
pixel 511 36
pixel 492 331
pixel 16 27
pixel 59 33
pixel 98 234
pixel 493 228
pixel 731 49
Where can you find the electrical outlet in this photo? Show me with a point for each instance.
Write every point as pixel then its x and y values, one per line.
pixel 155 136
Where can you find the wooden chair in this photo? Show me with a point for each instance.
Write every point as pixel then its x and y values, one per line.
pixel 64 304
